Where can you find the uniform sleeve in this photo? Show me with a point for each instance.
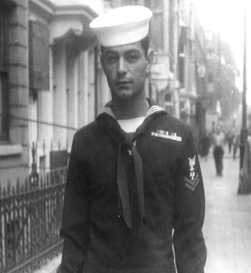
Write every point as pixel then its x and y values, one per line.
pixel 189 211
pixel 76 216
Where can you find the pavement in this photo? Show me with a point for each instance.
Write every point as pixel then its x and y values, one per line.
pixel 227 227
pixel 51 266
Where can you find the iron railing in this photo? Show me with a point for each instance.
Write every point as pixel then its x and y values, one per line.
pixel 30 219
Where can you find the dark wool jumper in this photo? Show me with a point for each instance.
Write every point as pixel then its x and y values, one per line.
pixel 97 238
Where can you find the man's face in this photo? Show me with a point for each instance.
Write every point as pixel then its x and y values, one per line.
pixel 126 68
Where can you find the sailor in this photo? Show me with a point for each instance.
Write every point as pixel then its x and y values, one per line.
pixel 134 197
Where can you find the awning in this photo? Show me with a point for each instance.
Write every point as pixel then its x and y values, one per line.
pixel 69 21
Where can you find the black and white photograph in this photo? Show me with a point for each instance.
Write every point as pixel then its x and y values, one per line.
pixel 125 136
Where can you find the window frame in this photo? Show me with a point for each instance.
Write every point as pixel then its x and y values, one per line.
pixel 4 73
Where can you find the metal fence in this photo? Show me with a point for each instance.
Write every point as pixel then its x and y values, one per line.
pixel 30 219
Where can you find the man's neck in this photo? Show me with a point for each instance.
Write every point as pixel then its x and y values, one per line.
pixel 129 109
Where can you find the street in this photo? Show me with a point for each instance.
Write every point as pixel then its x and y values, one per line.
pixel 227 227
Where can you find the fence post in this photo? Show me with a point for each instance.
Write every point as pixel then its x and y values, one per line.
pixel 34 174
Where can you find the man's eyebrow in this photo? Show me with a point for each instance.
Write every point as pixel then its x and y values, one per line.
pixel 132 51
pixel 126 52
pixel 110 52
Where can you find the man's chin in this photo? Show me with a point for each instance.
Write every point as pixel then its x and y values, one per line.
pixel 124 94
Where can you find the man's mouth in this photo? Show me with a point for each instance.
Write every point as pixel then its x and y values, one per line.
pixel 123 83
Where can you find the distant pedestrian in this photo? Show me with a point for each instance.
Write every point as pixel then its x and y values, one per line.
pixel 205 144
pixel 218 151
pixel 236 144
pixel 245 173
pixel 230 139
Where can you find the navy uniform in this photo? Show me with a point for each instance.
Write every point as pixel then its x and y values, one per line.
pixel 134 202
pixel 96 235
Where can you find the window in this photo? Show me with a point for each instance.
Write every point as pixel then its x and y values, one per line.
pixel 38 46
pixel 168 98
pixel 4 95
pixel 181 64
pixel 210 77
pixel 107 5
pixel 156 25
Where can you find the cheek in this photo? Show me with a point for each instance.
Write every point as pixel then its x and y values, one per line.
pixel 110 75
pixel 140 73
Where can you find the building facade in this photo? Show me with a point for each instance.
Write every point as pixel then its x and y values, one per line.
pixel 51 82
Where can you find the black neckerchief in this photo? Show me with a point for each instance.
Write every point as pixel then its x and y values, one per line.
pixel 129 167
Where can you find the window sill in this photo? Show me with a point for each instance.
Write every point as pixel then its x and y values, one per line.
pixel 9 150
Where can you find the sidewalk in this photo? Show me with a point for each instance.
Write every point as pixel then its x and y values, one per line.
pixel 227 227
pixel 51 266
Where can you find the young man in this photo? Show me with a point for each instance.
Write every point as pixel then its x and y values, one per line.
pixel 134 197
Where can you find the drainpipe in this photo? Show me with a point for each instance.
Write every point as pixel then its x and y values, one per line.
pixel 96 73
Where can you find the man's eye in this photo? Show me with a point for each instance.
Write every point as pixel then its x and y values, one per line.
pixel 132 57
pixel 111 59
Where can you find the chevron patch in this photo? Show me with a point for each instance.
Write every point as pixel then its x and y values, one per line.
pixel 192 184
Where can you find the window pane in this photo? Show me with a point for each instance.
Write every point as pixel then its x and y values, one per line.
pixel 157 30
pixel 154 5
pixel 3 39
pixel 39 46
pixel 148 4
pixel 1 106
pixel 4 102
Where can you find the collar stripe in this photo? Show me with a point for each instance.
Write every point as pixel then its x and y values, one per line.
pixel 108 111
pixel 153 109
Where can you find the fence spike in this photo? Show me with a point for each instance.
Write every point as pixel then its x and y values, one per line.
pixel 8 188
pixel 18 186
pixel 26 184
pixel 4 192
pixel 44 146
pixel 48 178
pixel 41 182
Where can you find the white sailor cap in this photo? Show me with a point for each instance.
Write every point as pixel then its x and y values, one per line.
pixel 121 26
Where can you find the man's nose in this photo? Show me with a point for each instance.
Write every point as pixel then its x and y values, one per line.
pixel 122 65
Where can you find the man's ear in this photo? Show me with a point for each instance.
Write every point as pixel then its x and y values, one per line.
pixel 149 60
